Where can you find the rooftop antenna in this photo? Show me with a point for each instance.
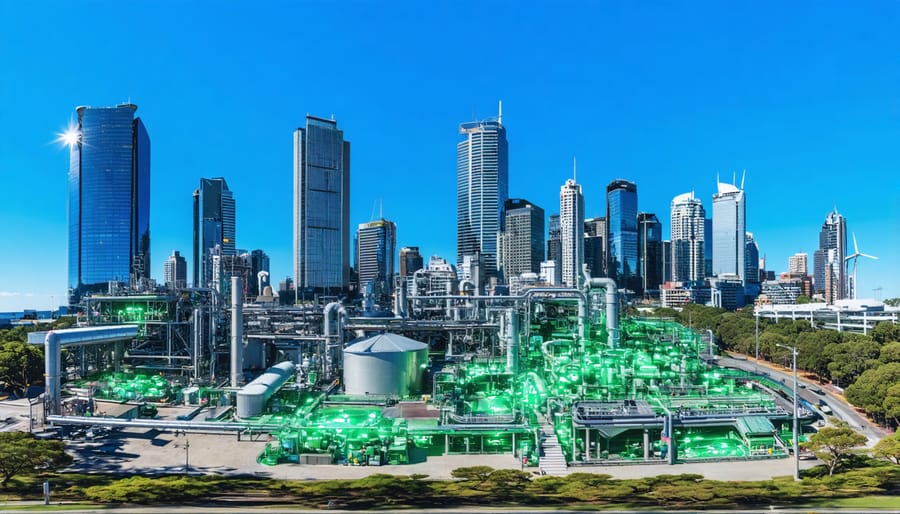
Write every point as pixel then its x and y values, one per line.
pixel 381 208
pixel 743 176
pixel 372 217
pixel 574 169
pixel 500 112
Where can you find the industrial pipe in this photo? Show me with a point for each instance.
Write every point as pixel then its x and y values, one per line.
pixel 612 304
pixel 237 328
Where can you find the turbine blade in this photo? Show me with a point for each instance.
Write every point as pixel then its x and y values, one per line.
pixel 869 256
pixel 855 248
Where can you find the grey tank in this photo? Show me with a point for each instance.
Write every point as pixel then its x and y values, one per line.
pixel 385 364
pixel 252 398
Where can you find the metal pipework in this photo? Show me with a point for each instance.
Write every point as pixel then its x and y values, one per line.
pixel 237 328
pixel 512 348
pixel 330 310
pixel 612 304
pixel 54 340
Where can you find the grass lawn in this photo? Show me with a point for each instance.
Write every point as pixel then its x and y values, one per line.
pixel 864 502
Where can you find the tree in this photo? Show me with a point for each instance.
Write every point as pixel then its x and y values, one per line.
pixel 890 352
pixel 886 332
pixel 891 404
pixel 889 448
pixel 870 390
pixel 21 452
pixel 832 445
pixel 893 302
pixel 854 355
pixel 473 473
pixel 20 364
pixel 802 299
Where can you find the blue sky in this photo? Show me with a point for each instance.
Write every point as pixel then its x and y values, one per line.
pixel 804 96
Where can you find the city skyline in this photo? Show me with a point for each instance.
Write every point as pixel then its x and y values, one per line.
pixel 798 112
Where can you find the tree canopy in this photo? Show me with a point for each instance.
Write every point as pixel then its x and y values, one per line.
pixel 22 453
pixel 832 445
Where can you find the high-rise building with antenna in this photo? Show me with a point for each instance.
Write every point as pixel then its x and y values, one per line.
pixel 571 231
pixel 214 227
pixel 481 189
pixel 830 270
pixel 729 228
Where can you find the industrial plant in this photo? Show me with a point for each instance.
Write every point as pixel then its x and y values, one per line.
pixel 553 376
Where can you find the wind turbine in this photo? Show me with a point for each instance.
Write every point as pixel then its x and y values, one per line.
pixel 856 255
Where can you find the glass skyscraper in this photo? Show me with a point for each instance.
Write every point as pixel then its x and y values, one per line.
pixel 595 246
pixel 622 233
pixel 214 227
pixel 481 190
pixel 830 269
pixel 521 243
pixel 109 201
pixel 650 253
pixel 321 209
pixel 376 242
pixel 729 228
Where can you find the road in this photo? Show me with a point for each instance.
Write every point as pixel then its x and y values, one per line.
pixel 842 410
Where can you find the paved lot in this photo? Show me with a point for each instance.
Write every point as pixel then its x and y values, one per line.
pixel 147 451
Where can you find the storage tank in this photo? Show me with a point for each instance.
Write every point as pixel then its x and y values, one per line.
pixel 252 398
pixel 385 364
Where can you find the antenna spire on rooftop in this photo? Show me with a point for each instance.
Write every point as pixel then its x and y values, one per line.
pixel 500 112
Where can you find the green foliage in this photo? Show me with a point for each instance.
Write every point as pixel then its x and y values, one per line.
pixel 871 389
pixel 890 352
pixel 832 445
pixel 891 404
pixel 888 448
pixel 22 453
pixel 850 358
pixel 893 302
pixel 21 364
pixel 886 332
pixel 474 473
pixel 802 299
pixel 151 490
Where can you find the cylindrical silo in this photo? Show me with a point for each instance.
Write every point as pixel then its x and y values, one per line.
pixel 385 364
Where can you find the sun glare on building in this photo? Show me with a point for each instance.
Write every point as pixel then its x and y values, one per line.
pixel 70 137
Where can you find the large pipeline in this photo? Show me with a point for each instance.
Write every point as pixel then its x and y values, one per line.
pixel 53 342
pixel 237 328
pixel 332 339
pixel 612 304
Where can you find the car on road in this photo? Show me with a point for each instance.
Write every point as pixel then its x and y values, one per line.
pixel 818 391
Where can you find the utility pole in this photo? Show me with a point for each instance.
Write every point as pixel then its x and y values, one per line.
pixel 796 438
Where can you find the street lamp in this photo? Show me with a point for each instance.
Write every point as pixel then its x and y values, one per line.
pixel 796 440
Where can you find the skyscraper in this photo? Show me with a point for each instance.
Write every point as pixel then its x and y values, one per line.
pixel 554 248
pixel 649 253
pixel 571 231
pixel 321 209
pixel 214 222
pixel 521 245
pixel 376 243
pixel 109 200
pixel 595 246
pixel 751 262
pixel 481 189
pixel 797 264
pixel 259 261
pixel 622 233
pixel 831 270
pixel 175 271
pixel 410 261
pixel 688 219
pixel 729 231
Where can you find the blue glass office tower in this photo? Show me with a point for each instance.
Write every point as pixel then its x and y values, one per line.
pixel 650 253
pixel 214 227
pixel 481 190
pixel 321 209
pixel 109 201
pixel 729 231
pixel 622 234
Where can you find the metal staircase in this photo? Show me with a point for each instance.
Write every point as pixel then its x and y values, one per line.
pixel 552 462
